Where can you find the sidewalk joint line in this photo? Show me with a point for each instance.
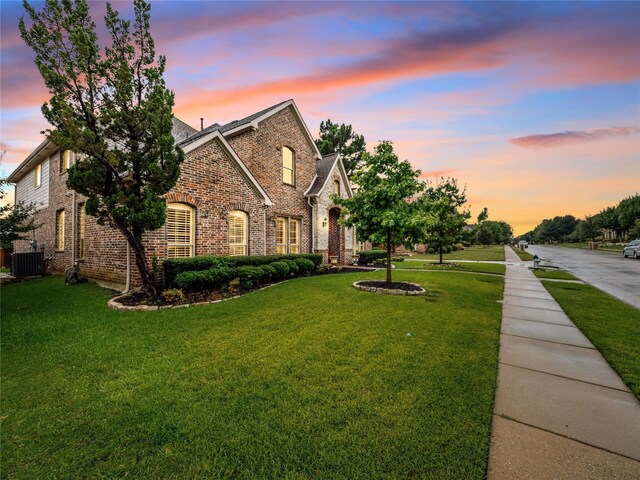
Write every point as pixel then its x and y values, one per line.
pixel 549 341
pixel 507 417
pixel 567 378
pixel 540 321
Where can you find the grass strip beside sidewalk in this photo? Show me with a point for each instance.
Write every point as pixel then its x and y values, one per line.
pixel 611 325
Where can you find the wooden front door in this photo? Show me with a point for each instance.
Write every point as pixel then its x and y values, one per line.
pixel 334 233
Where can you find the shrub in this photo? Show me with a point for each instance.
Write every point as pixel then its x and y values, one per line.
pixel 305 265
pixel 293 268
pixel 432 250
pixel 174 266
pixel 249 277
pixel 448 249
pixel 454 248
pixel 397 259
pixel 215 279
pixel 281 269
pixel 173 295
pixel 466 244
pixel 460 246
pixel 270 272
pixel 369 256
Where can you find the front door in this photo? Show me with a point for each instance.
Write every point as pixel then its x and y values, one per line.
pixel 334 233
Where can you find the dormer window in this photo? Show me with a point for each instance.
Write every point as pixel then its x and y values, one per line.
pixel 288 166
pixel 65 160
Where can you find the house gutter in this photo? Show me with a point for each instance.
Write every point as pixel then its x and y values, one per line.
pixel 313 226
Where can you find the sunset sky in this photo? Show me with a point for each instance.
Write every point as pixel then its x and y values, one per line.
pixel 534 106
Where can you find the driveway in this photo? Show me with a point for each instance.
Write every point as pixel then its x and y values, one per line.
pixel 610 272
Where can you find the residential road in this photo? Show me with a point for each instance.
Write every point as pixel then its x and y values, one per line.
pixel 610 272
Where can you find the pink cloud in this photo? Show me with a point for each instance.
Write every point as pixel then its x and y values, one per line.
pixel 437 173
pixel 565 138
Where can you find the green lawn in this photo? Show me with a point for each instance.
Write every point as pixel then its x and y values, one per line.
pixel 524 255
pixel 554 274
pixel 494 268
pixel 492 253
pixel 308 379
pixel 611 325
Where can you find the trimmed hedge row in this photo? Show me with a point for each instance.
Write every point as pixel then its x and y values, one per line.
pixel 175 266
pixel 245 277
pixel 369 256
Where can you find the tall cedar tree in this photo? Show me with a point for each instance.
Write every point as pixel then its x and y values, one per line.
pixel 114 109
pixel 343 140
pixel 381 209
pixel 442 200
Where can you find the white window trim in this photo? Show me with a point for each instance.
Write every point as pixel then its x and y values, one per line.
pixel 245 244
pixel 192 227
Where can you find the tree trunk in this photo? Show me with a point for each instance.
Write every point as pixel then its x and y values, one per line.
pixel 389 247
pixel 440 249
pixel 146 276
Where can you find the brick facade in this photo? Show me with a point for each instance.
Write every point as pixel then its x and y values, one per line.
pixel 213 183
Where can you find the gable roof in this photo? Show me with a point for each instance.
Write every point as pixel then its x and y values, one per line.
pixel 324 167
pixel 252 122
pixel 244 171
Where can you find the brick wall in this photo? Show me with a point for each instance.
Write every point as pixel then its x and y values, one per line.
pixel 261 152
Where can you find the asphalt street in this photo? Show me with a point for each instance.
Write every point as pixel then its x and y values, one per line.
pixel 610 272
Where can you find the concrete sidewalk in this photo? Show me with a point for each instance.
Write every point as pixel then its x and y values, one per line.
pixel 561 412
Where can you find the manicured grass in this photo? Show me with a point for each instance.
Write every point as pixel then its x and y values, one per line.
pixel 555 274
pixel 522 254
pixel 494 268
pixel 492 253
pixel 307 379
pixel 612 326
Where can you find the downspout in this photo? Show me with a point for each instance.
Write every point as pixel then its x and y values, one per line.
pixel 264 221
pixel 313 226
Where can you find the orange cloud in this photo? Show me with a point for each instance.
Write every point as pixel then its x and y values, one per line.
pixel 564 138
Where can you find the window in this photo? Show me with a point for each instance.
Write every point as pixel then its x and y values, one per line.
pixel 65 160
pixel 60 230
pixel 294 236
pixel 287 235
pixel 37 179
pixel 288 166
pixel 238 226
pixel 180 230
pixel 81 229
pixel 336 187
pixel 281 235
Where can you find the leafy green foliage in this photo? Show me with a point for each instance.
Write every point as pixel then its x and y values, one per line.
pixel 113 108
pixel 343 140
pixel 304 265
pixel 381 209
pixel 282 270
pixel 484 236
pixel 442 202
pixel 249 277
pixel 214 279
pixel 174 266
pixel 15 220
pixel 369 256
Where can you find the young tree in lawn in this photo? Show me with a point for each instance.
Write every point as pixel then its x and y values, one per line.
pixel 485 235
pixel 381 209
pixel 442 201
pixel 112 108
pixel 483 215
pixel 343 140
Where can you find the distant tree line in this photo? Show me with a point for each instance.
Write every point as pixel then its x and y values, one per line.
pixel 623 221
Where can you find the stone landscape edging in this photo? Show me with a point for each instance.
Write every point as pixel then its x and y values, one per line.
pixel 114 304
pixel 390 291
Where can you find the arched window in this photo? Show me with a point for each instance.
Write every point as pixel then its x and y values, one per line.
pixel 180 230
pixel 238 232
pixel 288 166
pixel 336 187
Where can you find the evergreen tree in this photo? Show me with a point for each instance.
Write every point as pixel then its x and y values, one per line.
pixel 15 220
pixel 343 140
pixel 113 108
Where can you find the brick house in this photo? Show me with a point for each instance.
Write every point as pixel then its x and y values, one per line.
pixel 255 186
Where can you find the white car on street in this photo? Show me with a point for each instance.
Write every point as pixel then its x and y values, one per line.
pixel 632 250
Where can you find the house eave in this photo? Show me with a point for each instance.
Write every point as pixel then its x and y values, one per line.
pixel 40 153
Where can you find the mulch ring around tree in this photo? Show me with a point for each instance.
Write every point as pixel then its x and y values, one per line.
pixel 390 288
